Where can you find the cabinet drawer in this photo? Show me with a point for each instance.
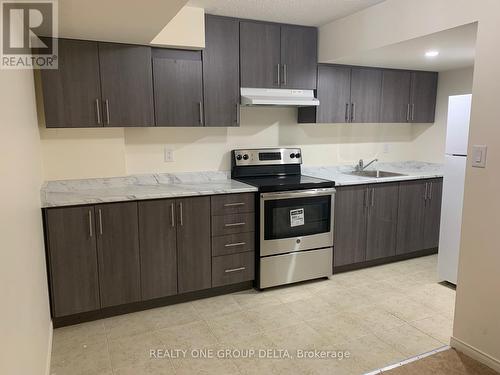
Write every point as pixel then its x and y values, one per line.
pixel 233 224
pixel 233 243
pixel 233 204
pixel 232 269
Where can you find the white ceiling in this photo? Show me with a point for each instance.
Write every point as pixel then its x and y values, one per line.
pixel 456 50
pixel 300 12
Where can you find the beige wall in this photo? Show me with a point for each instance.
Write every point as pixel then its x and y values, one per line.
pixel 25 327
pixel 477 316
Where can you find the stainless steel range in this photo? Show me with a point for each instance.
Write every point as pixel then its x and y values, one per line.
pixel 295 228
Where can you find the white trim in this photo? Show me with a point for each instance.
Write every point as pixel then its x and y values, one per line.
pixel 475 353
pixel 49 349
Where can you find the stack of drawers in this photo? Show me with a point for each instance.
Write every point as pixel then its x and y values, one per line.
pixel 233 238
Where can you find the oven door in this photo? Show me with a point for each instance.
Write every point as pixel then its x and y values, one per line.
pixel 296 220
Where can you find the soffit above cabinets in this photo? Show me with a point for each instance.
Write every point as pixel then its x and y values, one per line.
pixel 297 12
pixel 135 22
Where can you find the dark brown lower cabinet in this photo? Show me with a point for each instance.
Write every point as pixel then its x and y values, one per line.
pixel 72 257
pixel 419 215
pixel 382 220
pixel 118 251
pixel 194 264
pixel 158 248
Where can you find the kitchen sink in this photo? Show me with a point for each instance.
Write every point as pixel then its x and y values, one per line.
pixel 376 174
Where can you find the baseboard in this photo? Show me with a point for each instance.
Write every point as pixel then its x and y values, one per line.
pixel 49 349
pixel 476 354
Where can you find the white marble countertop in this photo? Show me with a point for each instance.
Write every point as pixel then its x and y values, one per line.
pixel 412 170
pixel 139 187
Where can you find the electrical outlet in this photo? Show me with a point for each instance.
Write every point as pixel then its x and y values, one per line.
pixel 387 148
pixel 168 155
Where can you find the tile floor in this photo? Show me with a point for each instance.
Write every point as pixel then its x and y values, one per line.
pixel 380 315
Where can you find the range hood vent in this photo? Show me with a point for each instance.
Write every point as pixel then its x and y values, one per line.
pixel 278 97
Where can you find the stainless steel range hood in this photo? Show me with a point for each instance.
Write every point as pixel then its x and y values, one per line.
pixel 278 97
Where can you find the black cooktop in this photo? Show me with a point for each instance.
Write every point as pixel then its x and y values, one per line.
pixel 286 183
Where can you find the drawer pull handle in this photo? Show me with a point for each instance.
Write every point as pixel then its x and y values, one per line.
pixel 235 244
pixel 234 204
pixel 235 224
pixel 235 269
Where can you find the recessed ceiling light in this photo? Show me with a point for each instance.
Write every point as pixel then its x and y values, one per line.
pixel 432 53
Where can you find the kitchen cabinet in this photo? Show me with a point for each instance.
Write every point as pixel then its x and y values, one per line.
pixel 72 93
pixel 334 93
pixel 350 225
pixel 178 87
pixel 423 96
pixel 118 253
pixel 221 71
pixel 277 56
pixel 126 85
pixel 158 248
pixel 382 218
pixel 72 260
pixel 193 244
pixel 395 99
pixel 418 215
pixel 366 85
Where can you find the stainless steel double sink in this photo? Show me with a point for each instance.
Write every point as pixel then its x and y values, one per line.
pixel 376 174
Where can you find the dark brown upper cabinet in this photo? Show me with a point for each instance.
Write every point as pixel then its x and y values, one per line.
pixel 334 93
pixel 72 260
pixel 408 96
pixel 277 56
pixel 126 85
pixel 299 56
pixel 419 215
pixel 118 253
pixel 178 87
pixel 72 93
pixel 423 97
pixel 366 85
pixel 221 71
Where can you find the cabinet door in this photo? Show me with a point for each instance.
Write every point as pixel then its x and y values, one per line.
pixel 193 244
pixel 118 251
pixel 299 57
pixel 382 220
pixel 423 96
pixel 395 102
pixel 221 71
pixel 158 249
pixel 411 212
pixel 178 88
pixel 334 94
pixel 366 85
pixel 260 55
pixel 72 93
pixel 72 260
pixel 350 225
pixel 433 213
pixel 126 84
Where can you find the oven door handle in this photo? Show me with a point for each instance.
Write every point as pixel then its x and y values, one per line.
pixel 297 193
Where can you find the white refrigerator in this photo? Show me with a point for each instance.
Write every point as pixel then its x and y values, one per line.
pixel 457 134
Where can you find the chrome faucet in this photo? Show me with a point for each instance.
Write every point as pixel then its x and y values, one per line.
pixel 360 167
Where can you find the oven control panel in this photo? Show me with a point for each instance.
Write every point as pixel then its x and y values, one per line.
pixel 267 156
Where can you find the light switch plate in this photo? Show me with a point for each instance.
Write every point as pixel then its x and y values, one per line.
pixel 168 154
pixel 479 156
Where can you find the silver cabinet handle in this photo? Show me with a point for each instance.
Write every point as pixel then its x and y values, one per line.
pixel 98 111
pixel 172 216
pixel 279 79
pixel 90 224
pixel 235 269
pixel 353 112
pixel 346 112
pixel 235 224
pixel 412 111
pixel 365 196
pixel 106 104
pixel 284 74
pixel 237 113
pixel 430 190
pixel 200 108
pixel 100 222
pixel 408 113
pixel 181 214
pixel 235 244
pixel 234 204
pixel 426 190
pixel 373 197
